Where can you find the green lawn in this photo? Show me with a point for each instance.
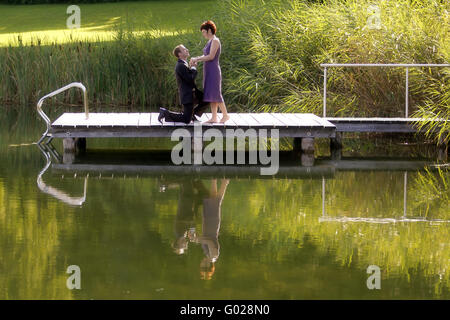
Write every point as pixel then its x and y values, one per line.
pixel 48 22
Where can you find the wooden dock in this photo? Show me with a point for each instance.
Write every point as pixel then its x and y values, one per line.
pixel 323 168
pixel 108 125
pixel 74 128
pixel 407 125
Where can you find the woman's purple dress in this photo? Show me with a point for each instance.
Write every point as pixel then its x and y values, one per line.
pixel 212 76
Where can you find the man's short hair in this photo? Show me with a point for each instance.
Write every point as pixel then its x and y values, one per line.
pixel 177 50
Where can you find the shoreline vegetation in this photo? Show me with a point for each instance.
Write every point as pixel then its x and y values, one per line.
pixel 271 61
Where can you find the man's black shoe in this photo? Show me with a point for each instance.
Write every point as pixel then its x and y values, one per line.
pixel 162 114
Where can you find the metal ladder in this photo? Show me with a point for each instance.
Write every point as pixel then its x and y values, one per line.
pixel 54 93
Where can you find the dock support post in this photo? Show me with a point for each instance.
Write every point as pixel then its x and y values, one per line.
pixel 68 157
pixel 336 142
pixel 304 148
pixel 443 150
pixel 307 159
pixel 297 145
pixel 336 147
pixel 307 145
pixel 336 154
pixel 72 147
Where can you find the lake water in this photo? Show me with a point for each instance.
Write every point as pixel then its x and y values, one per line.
pixel 139 229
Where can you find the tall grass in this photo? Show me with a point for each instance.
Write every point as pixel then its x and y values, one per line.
pixel 436 106
pixel 132 71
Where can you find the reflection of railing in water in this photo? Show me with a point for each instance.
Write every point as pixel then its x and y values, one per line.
pixel 56 193
pixel 404 218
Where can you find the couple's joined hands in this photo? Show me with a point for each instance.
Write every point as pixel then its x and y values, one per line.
pixel 193 62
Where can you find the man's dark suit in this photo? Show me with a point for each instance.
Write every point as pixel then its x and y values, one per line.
pixel 186 86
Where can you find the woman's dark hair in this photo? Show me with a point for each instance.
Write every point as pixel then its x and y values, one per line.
pixel 209 25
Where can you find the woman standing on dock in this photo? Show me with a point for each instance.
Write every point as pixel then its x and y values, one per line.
pixel 212 75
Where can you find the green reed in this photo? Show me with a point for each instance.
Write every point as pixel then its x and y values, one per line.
pixel 278 46
pixel 132 70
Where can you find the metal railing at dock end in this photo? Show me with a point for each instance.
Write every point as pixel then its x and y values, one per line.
pixel 396 65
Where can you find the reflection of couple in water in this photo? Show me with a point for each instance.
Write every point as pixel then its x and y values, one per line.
pixel 193 194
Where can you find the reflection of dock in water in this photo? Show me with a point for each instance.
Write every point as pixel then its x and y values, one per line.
pixel 101 165
pixel 149 164
pixel 134 164
pixel 355 164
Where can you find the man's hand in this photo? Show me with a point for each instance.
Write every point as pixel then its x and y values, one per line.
pixel 193 62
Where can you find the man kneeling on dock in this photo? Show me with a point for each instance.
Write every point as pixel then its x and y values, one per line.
pixel 187 90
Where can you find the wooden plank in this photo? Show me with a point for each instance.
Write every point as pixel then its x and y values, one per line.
pixel 179 124
pixel 305 118
pixel 313 118
pixel 166 131
pixel 230 122
pixel 374 127
pixel 97 119
pixel 281 123
pixel 308 121
pixel 105 120
pixel 252 122
pixel 144 120
pixel 217 124
pixel 71 119
pixel 324 122
pixel 132 119
pixel 238 120
pixel 154 120
pixel 267 119
pixel 112 120
pixel 316 120
pixel 123 119
pixel 279 118
pixel 287 120
pixel 389 120
pixel 205 117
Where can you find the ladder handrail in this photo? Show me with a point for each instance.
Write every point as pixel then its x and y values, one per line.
pixel 54 93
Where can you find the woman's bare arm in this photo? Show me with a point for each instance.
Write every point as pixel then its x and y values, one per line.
pixel 212 53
